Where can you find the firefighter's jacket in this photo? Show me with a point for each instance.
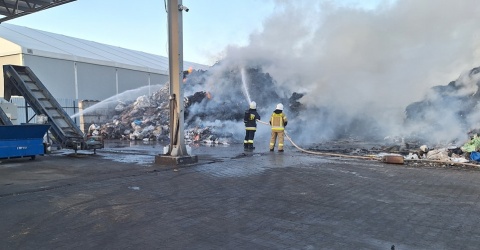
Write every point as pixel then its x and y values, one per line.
pixel 250 119
pixel 278 120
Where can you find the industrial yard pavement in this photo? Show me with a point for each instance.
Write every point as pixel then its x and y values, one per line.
pixel 118 199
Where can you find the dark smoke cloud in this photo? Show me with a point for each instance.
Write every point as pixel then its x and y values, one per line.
pixel 360 67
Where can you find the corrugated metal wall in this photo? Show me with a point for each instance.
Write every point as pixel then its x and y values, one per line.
pixel 58 76
pixel 84 81
pixel 27 115
pixel 11 59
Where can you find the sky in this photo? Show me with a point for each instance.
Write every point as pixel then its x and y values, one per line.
pixel 209 26
pixel 356 58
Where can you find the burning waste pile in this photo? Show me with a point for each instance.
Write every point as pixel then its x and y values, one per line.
pixel 344 87
pixel 146 118
pixel 215 102
pixel 449 116
pixel 441 127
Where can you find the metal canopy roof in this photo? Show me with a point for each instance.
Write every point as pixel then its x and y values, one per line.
pixel 16 8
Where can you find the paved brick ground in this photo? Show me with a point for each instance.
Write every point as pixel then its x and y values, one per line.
pixel 234 201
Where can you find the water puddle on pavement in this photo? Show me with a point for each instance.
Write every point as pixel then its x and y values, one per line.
pixel 144 160
pixel 228 161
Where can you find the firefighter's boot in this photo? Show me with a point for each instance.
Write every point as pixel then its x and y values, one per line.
pixel 245 146
pixel 251 147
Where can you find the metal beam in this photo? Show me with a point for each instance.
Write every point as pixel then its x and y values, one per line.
pixel 16 8
pixel 12 8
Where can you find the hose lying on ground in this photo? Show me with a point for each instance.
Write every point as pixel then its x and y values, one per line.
pixel 372 157
pixel 321 153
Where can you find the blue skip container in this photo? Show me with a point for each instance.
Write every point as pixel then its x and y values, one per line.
pixel 24 140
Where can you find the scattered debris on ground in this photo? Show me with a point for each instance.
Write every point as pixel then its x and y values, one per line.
pixel 411 152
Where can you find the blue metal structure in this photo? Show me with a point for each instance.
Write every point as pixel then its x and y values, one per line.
pixel 22 140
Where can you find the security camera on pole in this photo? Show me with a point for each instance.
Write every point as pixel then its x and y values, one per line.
pixel 177 151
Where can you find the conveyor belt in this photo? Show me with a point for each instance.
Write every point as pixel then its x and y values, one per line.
pixel 20 80
pixel 4 118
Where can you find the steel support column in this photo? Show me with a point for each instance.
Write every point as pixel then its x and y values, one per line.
pixel 177 152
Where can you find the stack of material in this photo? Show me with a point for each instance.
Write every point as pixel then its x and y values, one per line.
pixel 211 102
pixel 147 118
pixel 144 119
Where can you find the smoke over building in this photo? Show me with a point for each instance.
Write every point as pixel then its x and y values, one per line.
pixel 360 68
pixel 349 71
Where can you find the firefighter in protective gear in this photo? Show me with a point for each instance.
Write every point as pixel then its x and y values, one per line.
pixel 250 120
pixel 278 121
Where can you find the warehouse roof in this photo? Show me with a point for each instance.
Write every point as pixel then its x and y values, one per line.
pixel 46 44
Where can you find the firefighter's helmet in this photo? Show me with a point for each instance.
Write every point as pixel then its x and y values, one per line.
pixel 253 105
pixel 280 106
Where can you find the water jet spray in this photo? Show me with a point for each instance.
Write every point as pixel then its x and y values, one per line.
pixel 245 87
pixel 126 96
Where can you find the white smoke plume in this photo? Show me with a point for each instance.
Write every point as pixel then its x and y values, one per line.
pixel 354 63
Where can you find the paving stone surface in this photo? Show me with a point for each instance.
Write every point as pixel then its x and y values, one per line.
pixel 119 199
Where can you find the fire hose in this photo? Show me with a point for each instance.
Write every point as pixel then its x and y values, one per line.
pixel 320 153
pixel 372 157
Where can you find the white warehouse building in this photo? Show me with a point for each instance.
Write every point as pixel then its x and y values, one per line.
pixel 78 69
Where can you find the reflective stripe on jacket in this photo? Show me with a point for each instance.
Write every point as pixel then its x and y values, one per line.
pixel 278 121
pixel 250 119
